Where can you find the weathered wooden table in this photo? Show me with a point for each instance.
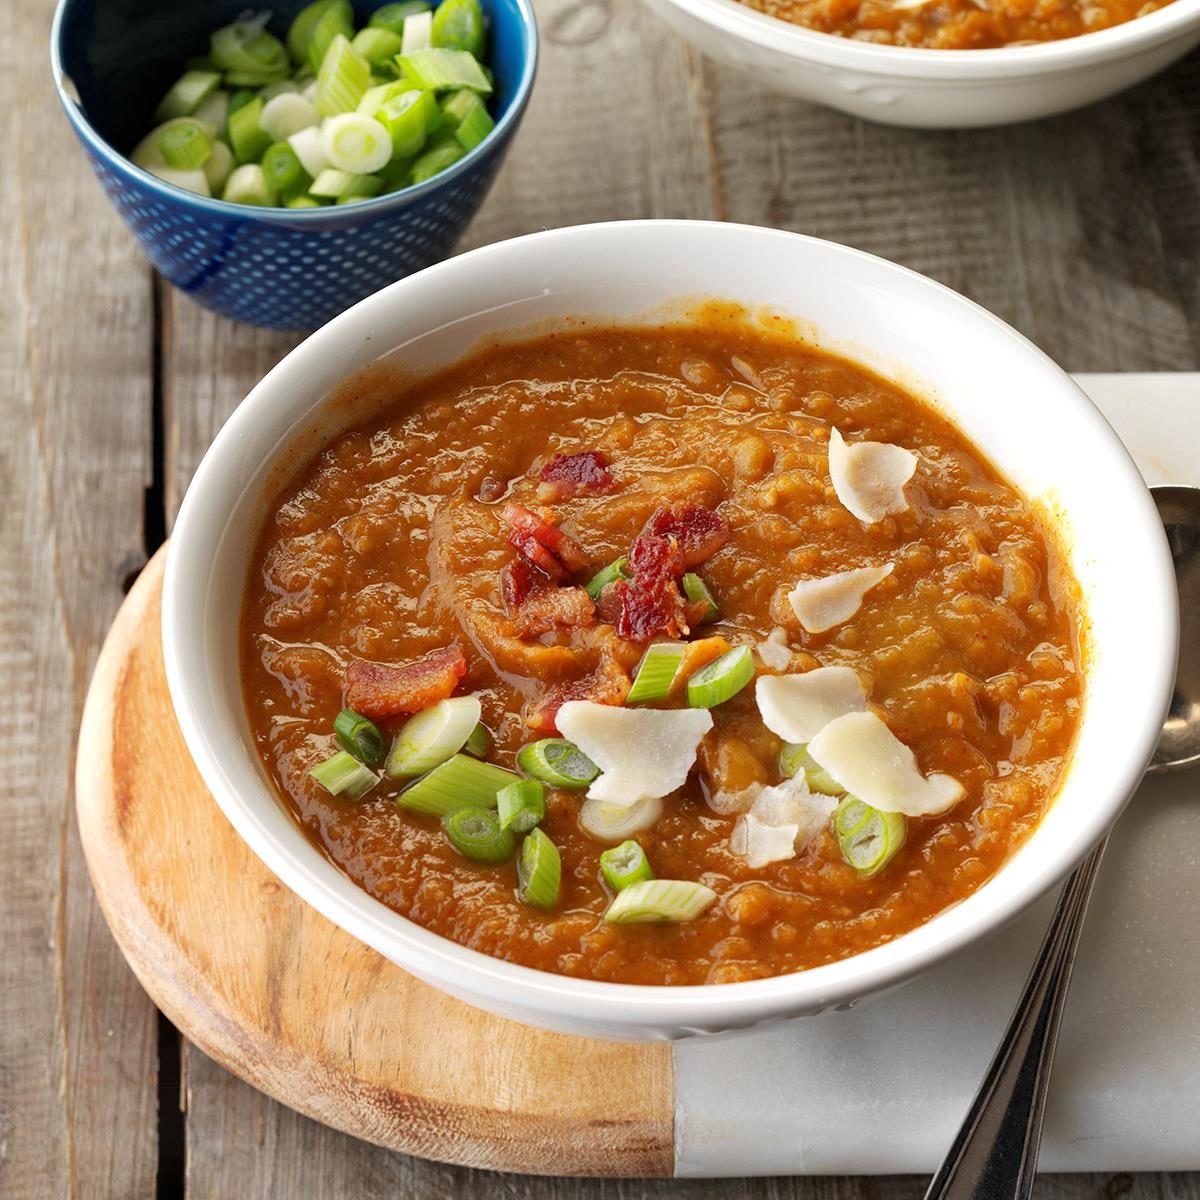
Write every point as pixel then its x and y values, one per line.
pixel 1083 231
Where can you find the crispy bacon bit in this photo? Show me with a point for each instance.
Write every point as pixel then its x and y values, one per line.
pixel 389 689
pixel 517 581
pixel 527 526
pixel 567 475
pixel 648 608
pixel 608 684
pixel 652 557
pixel 537 554
pixel 699 531
pixel 554 608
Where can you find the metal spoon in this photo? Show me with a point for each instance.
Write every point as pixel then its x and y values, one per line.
pixel 995 1154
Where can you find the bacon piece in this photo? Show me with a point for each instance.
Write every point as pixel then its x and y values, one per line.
pixel 567 475
pixel 389 689
pixel 699 531
pixel 533 552
pixel 647 608
pixel 517 581
pixel 608 684
pixel 554 608
pixel 652 557
pixel 528 527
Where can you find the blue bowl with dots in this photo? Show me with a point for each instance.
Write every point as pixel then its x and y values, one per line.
pixel 281 268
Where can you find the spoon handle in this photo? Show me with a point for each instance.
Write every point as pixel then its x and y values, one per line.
pixel 994 1156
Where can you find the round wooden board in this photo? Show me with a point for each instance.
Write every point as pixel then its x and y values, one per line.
pixel 292 1004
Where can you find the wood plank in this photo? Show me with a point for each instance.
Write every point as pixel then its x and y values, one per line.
pixel 78 1063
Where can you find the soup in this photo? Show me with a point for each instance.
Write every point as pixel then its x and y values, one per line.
pixel 957 24
pixel 728 611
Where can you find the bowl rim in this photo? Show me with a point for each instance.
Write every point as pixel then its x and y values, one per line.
pixel 298 217
pixel 1063 55
pixel 632 1007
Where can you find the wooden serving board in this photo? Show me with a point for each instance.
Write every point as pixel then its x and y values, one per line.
pixel 273 991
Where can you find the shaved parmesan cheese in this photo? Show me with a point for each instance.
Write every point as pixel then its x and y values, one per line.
pixel 904 5
pixel 775 652
pixel 798 707
pixel 820 604
pixel 869 477
pixel 781 820
pixel 870 762
pixel 642 753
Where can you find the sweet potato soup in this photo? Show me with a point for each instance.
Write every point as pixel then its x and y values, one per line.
pixel 957 24
pixel 676 655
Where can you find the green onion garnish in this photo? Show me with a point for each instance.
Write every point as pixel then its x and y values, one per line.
pixel 344 775
pixel 407 118
pixel 336 21
pixel 219 167
pixel 624 865
pixel 433 736
pixel 468 116
pixel 435 160
pixel 460 782
pixel 557 762
pixel 615 822
pixel 868 839
pixel 360 737
pixel 722 679
pixel 417 35
pixel 246 48
pixel 795 757
pixel 342 185
pixel 656 673
pixel 696 590
pixel 248 185
pixel 283 171
pixel 610 574
pixel 303 202
pixel 476 834
pixel 187 93
pixel 480 741
pixel 377 46
pixel 659 900
pixel 362 187
pixel 356 143
pixel 287 113
pixel 392 16
pixel 521 805
pixel 247 137
pixel 343 78
pixel 440 69
pixel 458 25
pixel 539 871
pixel 300 32
pixel 184 145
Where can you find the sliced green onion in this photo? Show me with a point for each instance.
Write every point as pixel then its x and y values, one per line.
pixel 362 187
pixel 194 181
pixel 557 762
pixel 343 78
pixel 432 736
pixel 437 70
pixel 248 185
pixel 795 757
pixel 610 574
pixel 397 174
pixel 539 871
pixel 615 822
pixel 624 865
pixel 149 152
pixel 522 805
pixel 407 119
pixel 356 143
pixel 469 117
pixel 393 16
pixel 214 110
pixel 300 32
pixel 303 202
pixel 376 96
pixel 336 21
pixel 377 46
pixel 344 775
pixel 868 839
pixel 476 834
pixel 246 48
pixel 186 94
pixel 458 25
pixel 696 590
pixel 722 679
pixel 286 114
pixel 359 736
pixel 659 900
pixel 281 87
pixel 417 34
pixel 436 159
pixel 219 167
pixel 460 782
pixel 480 741
pixel 239 99
pixel 333 185
pixel 656 673
pixel 310 150
pixel 246 134
pixel 184 146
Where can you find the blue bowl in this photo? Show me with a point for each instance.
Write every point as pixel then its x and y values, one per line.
pixel 282 268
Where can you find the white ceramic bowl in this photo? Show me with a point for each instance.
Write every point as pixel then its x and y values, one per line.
pixel 1010 399
pixel 935 89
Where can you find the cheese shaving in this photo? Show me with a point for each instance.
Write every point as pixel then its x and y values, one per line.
pixel 642 753
pixel 870 762
pixel 869 477
pixel 820 604
pixel 781 820
pixel 775 652
pixel 797 707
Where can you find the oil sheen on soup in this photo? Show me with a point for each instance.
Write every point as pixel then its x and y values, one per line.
pixel 854 649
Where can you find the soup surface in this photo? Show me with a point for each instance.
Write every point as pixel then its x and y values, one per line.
pixel 395 542
pixel 957 24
